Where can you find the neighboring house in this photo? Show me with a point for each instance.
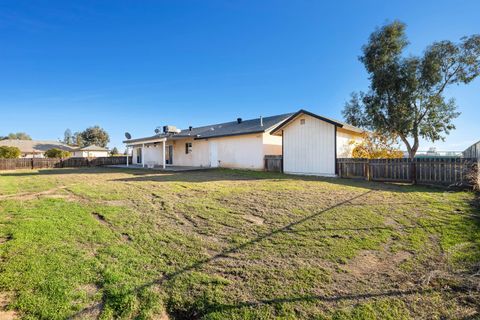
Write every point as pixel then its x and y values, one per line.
pixel 236 144
pixel 34 148
pixel 312 143
pixel 90 152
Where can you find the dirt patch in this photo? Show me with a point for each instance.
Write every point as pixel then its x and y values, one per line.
pixel 101 218
pixel 67 197
pixel 31 196
pixel 364 263
pixel 89 289
pixel 4 313
pixel 369 262
pixel 126 237
pixel 254 219
pixel 116 203
pixel 5 239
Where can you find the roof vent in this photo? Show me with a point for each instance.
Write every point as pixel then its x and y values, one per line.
pixel 239 120
pixel 261 121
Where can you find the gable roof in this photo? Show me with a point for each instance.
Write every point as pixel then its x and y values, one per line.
pixel 225 129
pixel 92 148
pixel 35 146
pixel 328 120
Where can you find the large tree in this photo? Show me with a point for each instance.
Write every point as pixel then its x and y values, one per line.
pixel 94 136
pixel 406 93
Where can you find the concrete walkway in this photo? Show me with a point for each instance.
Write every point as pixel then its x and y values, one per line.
pixel 159 168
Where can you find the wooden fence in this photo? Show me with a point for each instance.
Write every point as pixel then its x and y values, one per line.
pixel 430 171
pixel 473 151
pixel 273 163
pixel 40 163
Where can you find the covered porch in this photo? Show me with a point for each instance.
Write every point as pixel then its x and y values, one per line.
pixel 151 153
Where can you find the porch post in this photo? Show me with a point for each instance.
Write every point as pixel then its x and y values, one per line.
pixel 143 155
pixel 127 155
pixel 163 154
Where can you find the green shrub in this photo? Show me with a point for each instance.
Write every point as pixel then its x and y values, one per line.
pixel 9 152
pixel 57 153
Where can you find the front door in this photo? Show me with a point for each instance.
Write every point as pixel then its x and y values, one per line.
pixel 213 154
pixel 169 155
pixel 139 155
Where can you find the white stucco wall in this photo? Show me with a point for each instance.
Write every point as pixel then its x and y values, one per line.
pixel 272 145
pixel 309 148
pixel 245 151
pixel 344 148
pixel 153 154
pixel 199 157
pixel 89 154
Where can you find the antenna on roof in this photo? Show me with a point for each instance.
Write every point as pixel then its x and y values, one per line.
pixel 128 136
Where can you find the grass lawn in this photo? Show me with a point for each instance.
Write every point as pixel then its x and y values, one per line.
pixel 227 244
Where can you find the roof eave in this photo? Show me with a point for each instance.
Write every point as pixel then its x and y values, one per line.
pixel 299 112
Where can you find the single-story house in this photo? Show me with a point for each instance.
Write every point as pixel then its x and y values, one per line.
pixel 237 144
pixel 312 143
pixel 91 151
pixel 37 148
pixel 34 148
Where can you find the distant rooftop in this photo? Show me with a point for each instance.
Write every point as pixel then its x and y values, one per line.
pixel 92 148
pixel 35 146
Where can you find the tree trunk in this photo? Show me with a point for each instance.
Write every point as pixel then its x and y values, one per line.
pixel 412 150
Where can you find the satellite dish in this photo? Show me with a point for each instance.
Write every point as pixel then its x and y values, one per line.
pixel 128 136
pixel 157 131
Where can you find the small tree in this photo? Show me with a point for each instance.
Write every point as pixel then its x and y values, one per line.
pixel 68 137
pixel 9 152
pixel 95 136
pixel 19 136
pixel 57 153
pixel 114 151
pixel 405 97
pixel 376 146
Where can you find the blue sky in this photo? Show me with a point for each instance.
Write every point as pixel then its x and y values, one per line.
pixel 135 65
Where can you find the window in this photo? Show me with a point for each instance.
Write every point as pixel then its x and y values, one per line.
pixel 302 121
pixel 188 147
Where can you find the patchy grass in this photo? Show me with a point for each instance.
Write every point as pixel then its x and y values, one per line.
pixel 109 243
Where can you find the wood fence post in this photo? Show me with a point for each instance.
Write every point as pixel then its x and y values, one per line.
pixel 413 171
pixel 32 163
pixel 367 170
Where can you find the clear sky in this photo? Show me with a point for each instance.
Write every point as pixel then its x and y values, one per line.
pixel 135 65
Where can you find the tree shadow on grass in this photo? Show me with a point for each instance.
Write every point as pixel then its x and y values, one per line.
pixel 288 228
pixel 225 253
